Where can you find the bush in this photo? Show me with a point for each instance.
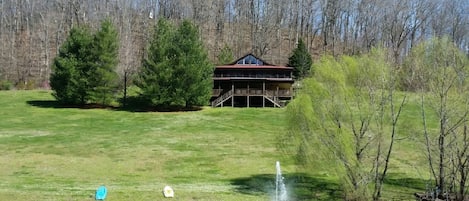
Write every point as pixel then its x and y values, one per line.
pixel 5 85
pixel 29 85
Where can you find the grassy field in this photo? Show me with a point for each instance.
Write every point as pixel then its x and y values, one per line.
pixel 51 153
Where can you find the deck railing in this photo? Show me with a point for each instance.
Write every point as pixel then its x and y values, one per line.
pixel 239 75
pixel 258 92
pixel 216 92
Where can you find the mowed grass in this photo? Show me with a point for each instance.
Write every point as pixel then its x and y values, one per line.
pixel 50 153
pixel 53 153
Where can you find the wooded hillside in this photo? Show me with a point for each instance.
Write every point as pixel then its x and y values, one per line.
pixel 31 31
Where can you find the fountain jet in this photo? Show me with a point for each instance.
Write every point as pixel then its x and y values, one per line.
pixel 280 190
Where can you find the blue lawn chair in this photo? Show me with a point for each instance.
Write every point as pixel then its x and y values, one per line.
pixel 101 193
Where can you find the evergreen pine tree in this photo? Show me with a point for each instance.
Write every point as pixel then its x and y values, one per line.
pixel 103 76
pixel 194 66
pixel 177 72
pixel 84 69
pixel 155 76
pixel 301 61
pixel 69 68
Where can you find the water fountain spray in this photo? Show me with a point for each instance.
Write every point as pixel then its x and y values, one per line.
pixel 280 189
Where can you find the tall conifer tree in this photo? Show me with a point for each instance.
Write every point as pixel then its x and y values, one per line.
pixel 177 72
pixel 103 75
pixel 69 69
pixel 84 69
pixel 194 65
pixel 301 61
pixel 155 76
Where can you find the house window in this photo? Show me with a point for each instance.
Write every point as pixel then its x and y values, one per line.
pixel 250 60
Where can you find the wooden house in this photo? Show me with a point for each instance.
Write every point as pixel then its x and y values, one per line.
pixel 251 82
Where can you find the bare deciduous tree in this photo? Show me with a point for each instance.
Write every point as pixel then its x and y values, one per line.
pixel 269 29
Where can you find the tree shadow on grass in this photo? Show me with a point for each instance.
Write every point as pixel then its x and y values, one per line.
pixel 56 104
pixel 137 104
pixel 133 104
pixel 411 183
pixel 299 186
pixel 405 188
pixel 47 104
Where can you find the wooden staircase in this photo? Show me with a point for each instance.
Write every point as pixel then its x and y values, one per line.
pixel 221 99
pixel 230 94
pixel 272 98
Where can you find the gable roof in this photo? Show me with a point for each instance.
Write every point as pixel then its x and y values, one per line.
pixel 250 59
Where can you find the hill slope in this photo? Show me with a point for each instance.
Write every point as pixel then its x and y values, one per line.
pixel 65 154
pixel 52 153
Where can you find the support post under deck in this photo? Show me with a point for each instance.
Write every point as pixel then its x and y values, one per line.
pixel 233 96
pixel 247 96
pixel 263 94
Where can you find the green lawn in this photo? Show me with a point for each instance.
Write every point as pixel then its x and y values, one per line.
pixel 52 153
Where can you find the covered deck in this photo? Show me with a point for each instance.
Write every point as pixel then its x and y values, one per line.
pixel 251 82
pixel 251 97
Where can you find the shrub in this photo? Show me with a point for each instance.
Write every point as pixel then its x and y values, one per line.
pixel 5 85
pixel 29 85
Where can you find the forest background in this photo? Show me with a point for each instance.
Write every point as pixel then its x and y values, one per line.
pixel 32 31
